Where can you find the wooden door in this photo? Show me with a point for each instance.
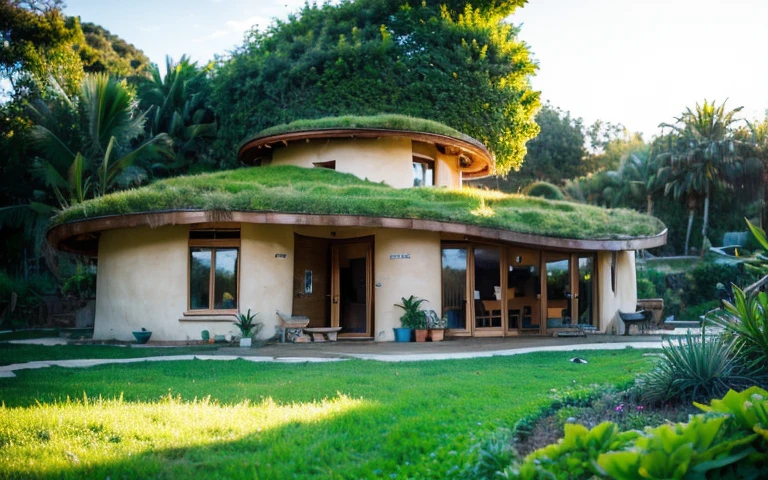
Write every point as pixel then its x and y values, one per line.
pixel 311 280
pixel 352 288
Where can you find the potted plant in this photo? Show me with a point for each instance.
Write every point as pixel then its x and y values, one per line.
pixel 436 326
pixel 246 325
pixel 142 336
pixel 411 319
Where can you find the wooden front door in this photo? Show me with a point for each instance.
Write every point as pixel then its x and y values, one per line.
pixel 312 280
pixel 351 287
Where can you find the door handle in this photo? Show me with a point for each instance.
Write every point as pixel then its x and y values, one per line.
pixel 335 299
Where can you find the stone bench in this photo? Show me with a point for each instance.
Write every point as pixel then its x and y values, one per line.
pixel 319 334
pixel 291 325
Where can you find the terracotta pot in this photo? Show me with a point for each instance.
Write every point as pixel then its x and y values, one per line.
pixel 437 335
pixel 421 335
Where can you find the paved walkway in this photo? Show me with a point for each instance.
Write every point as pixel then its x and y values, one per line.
pixel 383 352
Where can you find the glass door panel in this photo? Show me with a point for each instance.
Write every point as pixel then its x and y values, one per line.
pixel 454 278
pixel 585 298
pixel 558 308
pixel 523 289
pixel 487 295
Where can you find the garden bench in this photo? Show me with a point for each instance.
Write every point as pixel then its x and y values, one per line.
pixel 291 325
pixel 319 334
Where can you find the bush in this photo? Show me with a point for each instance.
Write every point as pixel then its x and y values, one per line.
pixel 746 322
pixel 694 369
pixel 697 311
pixel 29 300
pixel 545 190
pixel 730 440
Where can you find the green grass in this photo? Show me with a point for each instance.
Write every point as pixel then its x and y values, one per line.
pixel 354 419
pixel 385 122
pixel 29 334
pixel 20 353
pixel 322 191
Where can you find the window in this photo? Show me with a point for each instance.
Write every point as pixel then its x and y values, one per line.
pixel 214 256
pixel 423 172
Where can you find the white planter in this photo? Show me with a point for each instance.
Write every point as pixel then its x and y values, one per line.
pixel 245 342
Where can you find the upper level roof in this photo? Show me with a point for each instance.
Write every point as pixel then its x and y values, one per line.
pixel 476 160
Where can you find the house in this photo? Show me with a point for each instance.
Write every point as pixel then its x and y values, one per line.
pixel 339 220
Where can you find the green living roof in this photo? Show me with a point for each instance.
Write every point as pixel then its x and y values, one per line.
pixel 383 122
pixel 321 191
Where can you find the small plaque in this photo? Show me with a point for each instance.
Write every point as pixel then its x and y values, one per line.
pixel 400 256
pixel 281 255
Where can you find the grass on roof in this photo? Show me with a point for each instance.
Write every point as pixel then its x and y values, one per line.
pixel 384 121
pixel 321 191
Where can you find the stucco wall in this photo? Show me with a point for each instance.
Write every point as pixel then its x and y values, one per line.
pixel 266 279
pixel 624 298
pixel 397 278
pixel 388 160
pixel 142 282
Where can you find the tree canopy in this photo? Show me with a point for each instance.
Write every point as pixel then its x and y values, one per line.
pixel 447 61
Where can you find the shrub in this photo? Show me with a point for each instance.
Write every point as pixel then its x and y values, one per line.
pixel 29 300
pixel 545 190
pixel 695 368
pixel 730 440
pixel 746 322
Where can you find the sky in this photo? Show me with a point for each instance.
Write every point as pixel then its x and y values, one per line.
pixel 638 63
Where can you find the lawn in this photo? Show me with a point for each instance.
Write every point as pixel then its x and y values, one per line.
pixel 353 419
pixel 20 353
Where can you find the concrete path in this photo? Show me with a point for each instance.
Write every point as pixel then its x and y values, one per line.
pixel 389 352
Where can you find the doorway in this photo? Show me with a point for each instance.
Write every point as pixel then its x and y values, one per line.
pixel 570 290
pixel 332 283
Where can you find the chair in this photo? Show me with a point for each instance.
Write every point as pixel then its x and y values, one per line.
pixel 292 325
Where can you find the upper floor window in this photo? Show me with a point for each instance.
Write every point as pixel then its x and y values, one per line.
pixel 214 257
pixel 423 172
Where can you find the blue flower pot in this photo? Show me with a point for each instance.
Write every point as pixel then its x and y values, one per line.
pixel 402 334
pixel 142 337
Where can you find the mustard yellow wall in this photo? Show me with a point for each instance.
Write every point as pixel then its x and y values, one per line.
pixel 624 298
pixel 388 160
pixel 420 275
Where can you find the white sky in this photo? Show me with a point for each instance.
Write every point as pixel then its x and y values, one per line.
pixel 639 63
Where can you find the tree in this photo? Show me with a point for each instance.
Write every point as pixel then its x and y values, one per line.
pixel 36 44
pixel 102 51
pixel 702 156
pixel 447 61
pixel 85 145
pixel 178 106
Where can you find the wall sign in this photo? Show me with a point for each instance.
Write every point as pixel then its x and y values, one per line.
pixel 400 256
pixel 280 255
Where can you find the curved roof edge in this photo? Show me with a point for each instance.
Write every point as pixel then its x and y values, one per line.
pixel 79 236
pixel 474 147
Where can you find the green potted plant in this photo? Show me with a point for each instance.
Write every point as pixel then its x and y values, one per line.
pixel 411 319
pixel 436 326
pixel 248 328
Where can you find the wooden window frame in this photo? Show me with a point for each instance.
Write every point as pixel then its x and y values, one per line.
pixel 213 244
pixel 432 164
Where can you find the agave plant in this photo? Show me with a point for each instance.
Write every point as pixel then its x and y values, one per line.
pixel 696 368
pixel 245 322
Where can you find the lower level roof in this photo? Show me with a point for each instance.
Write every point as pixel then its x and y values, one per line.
pixel 293 195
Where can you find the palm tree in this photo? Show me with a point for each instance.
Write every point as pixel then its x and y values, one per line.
pixel 702 157
pixel 754 143
pixel 90 144
pixel 177 106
